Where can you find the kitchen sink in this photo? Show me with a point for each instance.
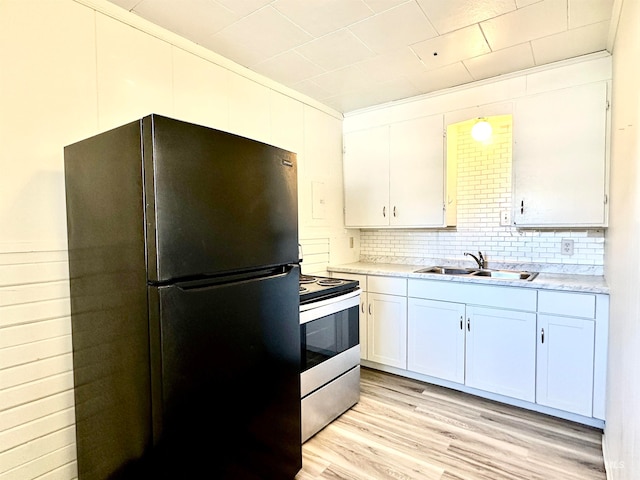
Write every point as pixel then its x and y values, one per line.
pixel 476 272
pixel 506 274
pixel 448 270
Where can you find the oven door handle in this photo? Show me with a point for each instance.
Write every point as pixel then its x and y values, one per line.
pixel 322 308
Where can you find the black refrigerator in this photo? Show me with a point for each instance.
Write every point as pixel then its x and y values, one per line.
pixel 184 269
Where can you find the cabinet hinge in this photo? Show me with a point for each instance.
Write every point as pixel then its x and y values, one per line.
pixel 608 104
pixel 344 149
pixel 606 198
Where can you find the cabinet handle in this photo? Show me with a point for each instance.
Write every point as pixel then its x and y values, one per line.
pixel 362 308
pixel 522 207
pixel 542 336
pixel 370 312
pixel 461 327
pixel 468 324
pixel 384 212
pixel 394 211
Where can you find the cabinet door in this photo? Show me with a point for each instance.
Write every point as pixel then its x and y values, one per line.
pixel 565 363
pixel 416 172
pixel 559 157
pixel 387 329
pixel 436 339
pixel 501 352
pixel 366 177
pixel 364 321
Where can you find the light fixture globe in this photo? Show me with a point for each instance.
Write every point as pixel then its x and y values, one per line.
pixel 482 130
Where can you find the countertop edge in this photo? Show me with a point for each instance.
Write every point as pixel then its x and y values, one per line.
pixel 546 281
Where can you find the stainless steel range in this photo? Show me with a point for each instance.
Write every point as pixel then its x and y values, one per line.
pixel 329 328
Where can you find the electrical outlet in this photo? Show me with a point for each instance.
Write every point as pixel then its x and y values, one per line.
pixel 505 218
pixel 567 247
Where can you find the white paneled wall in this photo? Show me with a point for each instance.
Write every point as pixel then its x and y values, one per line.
pixel 483 192
pixel 70 69
pixel 37 433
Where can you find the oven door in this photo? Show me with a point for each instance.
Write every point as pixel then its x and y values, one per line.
pixel 329 332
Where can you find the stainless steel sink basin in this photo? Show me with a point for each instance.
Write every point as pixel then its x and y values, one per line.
pixel 448 270
pixel 485 273
pixel 506 274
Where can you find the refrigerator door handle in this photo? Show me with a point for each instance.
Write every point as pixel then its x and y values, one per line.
pixel 212 282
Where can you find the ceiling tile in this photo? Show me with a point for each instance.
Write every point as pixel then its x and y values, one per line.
pixel 244 7
pixel 229 48
pixel 266 31
pixel 452 47
pixel 382 5
pixel 534 21
pixel 346 79
pixel 128 4
pixel 388 66
pixel 572 43
pixel 524 3
pixel 312 89
pixel 394 28
pixel 335 50
pixel 319 17
pixel 395 90
pixel 449 76
pixel 194 19
pixel 360 51
pixel 586 12
pixel 288 68
pixel 450 15
pixel 508 60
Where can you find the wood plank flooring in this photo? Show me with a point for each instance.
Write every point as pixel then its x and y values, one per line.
pixel 406 429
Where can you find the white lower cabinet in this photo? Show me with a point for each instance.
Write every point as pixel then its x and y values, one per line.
pixel 387 329
pixel 501 352
pixel 544 347
pixel 565 363
pixel 485 348
pixel 436 339
pixel 566 352
pixel 364 323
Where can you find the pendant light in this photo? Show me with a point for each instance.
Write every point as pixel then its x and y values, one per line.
pixel 482 130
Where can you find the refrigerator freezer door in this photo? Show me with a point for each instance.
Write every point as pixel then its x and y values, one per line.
pixel 216 202
pixel 229 376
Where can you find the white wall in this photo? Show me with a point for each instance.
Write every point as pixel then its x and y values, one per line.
pixel 71 69
pixel 622 256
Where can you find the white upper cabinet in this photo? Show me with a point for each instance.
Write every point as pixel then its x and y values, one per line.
pixel 394 175
pixel 559 158
pixel 366 178
pixel 417 172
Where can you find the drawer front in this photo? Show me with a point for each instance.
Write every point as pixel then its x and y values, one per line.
pixel 388 285
pixel 474 294
pixel 571 304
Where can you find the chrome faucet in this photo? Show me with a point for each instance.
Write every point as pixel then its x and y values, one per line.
pixel 479 259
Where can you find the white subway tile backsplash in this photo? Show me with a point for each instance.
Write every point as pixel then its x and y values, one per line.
pixel 484 190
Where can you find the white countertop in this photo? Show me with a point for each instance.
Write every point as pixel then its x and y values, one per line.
pixel 551 281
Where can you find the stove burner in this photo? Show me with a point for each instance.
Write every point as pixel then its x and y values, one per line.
pixel 307 279
pixel 329 282
pixel 303 289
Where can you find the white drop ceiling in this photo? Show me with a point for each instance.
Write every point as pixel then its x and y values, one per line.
pixel 352 54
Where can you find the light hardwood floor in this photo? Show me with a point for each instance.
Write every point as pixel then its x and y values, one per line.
pixel 406 429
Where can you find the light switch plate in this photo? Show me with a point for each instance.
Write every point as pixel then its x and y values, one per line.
pixel 567 246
